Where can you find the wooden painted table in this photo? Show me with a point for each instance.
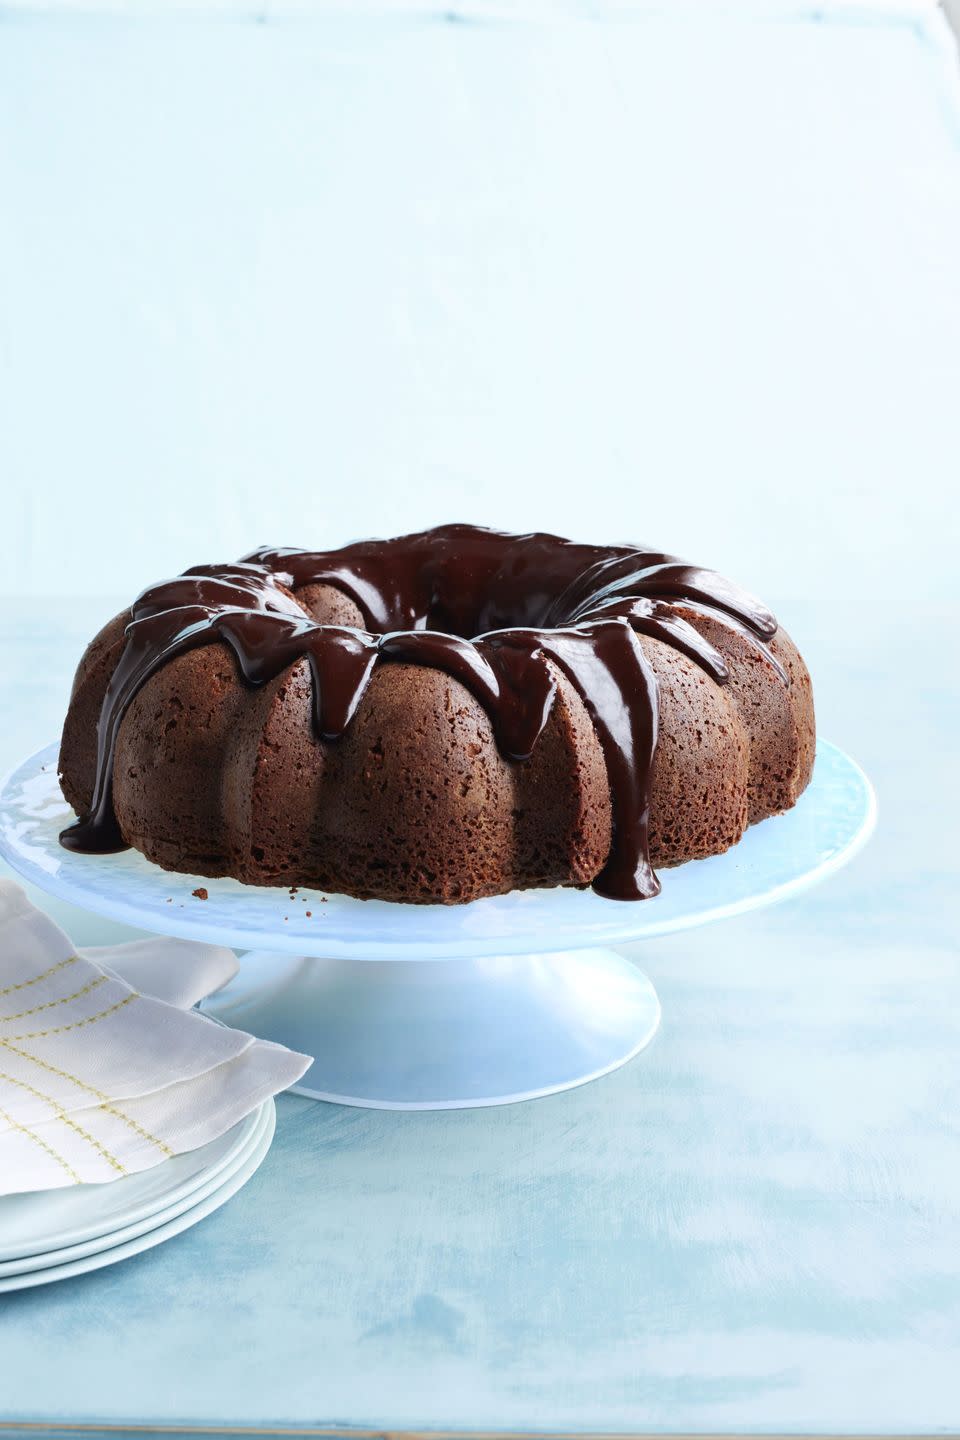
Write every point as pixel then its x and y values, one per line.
pixel 753 1227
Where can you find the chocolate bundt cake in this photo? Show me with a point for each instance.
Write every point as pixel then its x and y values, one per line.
pixel 438 717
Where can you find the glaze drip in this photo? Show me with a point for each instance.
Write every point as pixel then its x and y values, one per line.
pixel 502 614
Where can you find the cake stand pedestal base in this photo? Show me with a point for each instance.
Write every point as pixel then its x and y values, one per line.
pixel 445 1034
pixel 428 1007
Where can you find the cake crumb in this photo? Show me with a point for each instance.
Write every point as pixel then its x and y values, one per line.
pixel 201 892
pixel 308 913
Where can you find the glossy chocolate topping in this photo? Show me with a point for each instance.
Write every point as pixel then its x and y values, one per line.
pixel 502 614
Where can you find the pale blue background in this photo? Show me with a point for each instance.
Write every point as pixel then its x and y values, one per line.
pixel 691 280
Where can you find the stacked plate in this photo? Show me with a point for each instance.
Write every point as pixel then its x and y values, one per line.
pixel 55 1234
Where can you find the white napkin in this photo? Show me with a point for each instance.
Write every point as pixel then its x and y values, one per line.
pixel 181 972
pixel 103 1069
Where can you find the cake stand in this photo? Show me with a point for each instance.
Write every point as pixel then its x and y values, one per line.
pixel 431 1006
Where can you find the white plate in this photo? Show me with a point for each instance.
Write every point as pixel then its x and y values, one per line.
pixel 36 1223
pixel 107 1241
pixel 162 1233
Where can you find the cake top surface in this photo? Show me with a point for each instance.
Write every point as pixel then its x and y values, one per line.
pixel 467 580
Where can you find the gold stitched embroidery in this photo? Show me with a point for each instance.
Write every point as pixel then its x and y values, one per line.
pixel 62 1115
pixel 74 1024
pixel 60 965
pixel 24 1130
pixel 144 1134
pixel 53 1069
pixel 106 1103
pixel 50 1004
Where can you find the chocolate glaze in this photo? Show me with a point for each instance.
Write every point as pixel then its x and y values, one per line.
pixel 500 613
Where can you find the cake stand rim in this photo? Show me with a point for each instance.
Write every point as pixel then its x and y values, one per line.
pixel 626 926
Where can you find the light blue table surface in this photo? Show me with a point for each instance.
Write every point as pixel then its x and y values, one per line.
pixel 754 1227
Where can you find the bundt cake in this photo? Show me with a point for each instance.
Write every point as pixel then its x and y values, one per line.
pixel 438 717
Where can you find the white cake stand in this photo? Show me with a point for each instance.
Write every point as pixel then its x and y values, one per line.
pixel 528 998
